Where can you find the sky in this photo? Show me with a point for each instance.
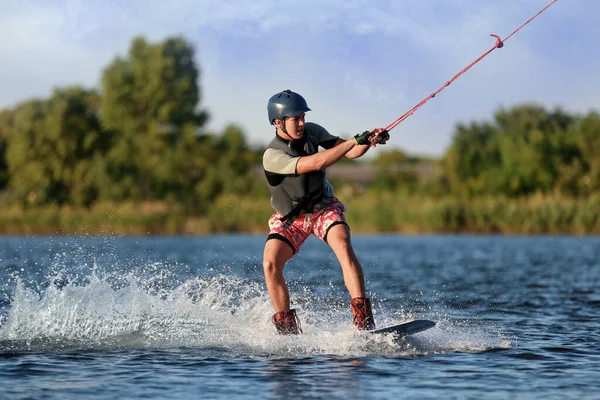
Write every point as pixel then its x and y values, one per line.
pixel 360 64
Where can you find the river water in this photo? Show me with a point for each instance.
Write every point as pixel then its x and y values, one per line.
pixel 189 317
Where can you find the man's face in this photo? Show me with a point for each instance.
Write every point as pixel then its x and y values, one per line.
pixel 294 126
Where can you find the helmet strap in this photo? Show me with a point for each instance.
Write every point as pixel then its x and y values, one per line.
pixel 283 128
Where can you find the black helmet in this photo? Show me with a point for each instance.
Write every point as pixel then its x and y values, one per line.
pixel 286 104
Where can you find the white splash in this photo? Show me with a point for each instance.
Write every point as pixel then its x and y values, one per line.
pixel 220 312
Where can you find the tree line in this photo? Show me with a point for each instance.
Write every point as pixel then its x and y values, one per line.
pixel 525 150
pixel 141 136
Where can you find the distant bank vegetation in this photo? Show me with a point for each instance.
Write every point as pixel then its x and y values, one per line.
pixel 133 157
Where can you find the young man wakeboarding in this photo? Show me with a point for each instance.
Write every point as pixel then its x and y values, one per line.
pixel 304 203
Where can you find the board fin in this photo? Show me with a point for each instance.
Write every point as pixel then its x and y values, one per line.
pixel 408 328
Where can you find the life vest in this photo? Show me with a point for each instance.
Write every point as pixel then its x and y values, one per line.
pixel 292 194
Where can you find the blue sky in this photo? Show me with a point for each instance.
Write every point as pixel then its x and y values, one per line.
pixel 359 63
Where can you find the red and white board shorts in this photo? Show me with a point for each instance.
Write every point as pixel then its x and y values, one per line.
pixel 318 223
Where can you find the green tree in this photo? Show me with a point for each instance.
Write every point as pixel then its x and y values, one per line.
pixel 149 105
pixel 395 172
pixel 6 121
pixel 388 158
pixel 27 152
pixel 531 141
pixel 587 137
pixel 472 160
pixel 525 149
pixel 235 161
pixel 53 147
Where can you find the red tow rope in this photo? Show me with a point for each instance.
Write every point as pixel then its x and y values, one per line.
pixel 499 43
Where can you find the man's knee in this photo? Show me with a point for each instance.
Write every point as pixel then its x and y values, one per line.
pixel 272 269
pixel 269 266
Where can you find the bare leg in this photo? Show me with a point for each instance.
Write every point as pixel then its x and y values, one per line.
pixel 339 240
pixel 276 254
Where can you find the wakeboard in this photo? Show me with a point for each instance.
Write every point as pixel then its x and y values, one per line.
pixel 406 329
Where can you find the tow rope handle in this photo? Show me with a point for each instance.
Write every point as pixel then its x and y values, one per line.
pixel 499 44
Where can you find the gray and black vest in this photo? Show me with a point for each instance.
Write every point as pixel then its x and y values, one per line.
pixel 292 194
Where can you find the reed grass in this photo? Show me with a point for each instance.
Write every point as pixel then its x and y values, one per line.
pixel 367 213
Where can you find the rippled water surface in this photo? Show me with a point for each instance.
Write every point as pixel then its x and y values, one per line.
pixel 186 317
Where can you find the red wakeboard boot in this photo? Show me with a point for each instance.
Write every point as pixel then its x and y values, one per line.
pixel 362 314
pixel 287 323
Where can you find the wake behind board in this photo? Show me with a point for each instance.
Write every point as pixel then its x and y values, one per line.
pixel 406 329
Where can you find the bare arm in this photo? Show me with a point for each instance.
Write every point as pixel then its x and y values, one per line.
pixel 357 151
pixel 342 148
pixel 324 159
